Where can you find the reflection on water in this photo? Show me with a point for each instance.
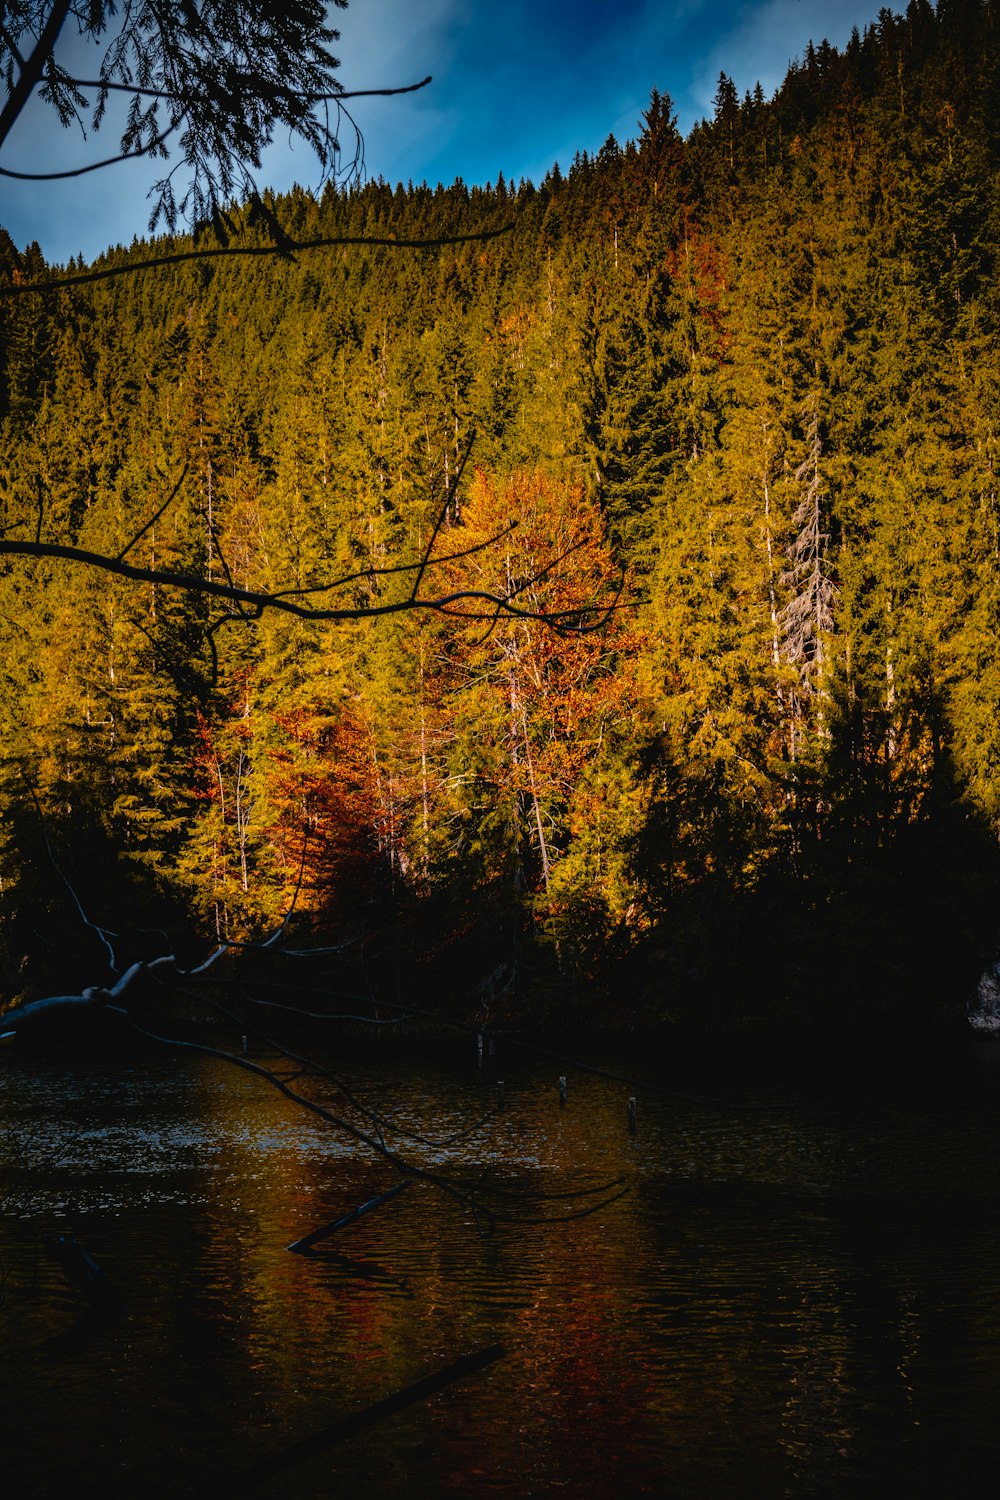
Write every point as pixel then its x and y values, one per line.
pixel 799 1295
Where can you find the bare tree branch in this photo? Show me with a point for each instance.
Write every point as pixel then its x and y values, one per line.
pixel 388 572
pixel 252 252
pixel 482 603
pixel 267 90
pixel 104 933
pixel 449 501
pixel 153 519
pixel 94 166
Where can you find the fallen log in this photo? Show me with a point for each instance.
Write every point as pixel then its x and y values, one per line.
pixel 305 1244
pixel 318 1442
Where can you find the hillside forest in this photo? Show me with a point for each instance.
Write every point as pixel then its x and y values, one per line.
pixel 732 399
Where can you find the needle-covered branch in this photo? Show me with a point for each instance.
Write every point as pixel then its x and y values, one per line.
pixel 210 84
pixel 229 73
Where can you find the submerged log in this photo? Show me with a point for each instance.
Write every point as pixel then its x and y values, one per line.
pixel 347 1427
pixel 83 1273
pixel 305 1244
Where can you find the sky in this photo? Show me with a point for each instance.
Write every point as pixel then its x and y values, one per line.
pixel 515 88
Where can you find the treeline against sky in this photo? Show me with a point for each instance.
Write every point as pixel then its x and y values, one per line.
pixel 753 373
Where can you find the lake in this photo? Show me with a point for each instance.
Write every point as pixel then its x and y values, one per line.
pixel 797 1295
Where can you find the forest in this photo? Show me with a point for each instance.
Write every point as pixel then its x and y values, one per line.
pixel 721 412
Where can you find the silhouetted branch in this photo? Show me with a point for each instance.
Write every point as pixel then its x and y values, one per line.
pixel 482 603
pixel 104 933
pixel 153 519
pixel 466 1196
pixel 269 91
pixel 256 252
pixel 449 501
pixel 94 166
pixel 389 572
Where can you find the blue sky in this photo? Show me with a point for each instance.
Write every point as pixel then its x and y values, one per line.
pixel 516 87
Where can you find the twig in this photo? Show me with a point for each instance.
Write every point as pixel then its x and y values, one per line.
pixel 449 501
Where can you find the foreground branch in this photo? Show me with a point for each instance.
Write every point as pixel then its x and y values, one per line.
pixel 285 249
pixel 463 603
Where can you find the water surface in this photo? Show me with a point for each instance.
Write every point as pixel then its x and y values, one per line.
pixel 799 1294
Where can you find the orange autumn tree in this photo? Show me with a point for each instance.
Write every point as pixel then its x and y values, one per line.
pixel 541 787
pixel 291 815
pixel 329 816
